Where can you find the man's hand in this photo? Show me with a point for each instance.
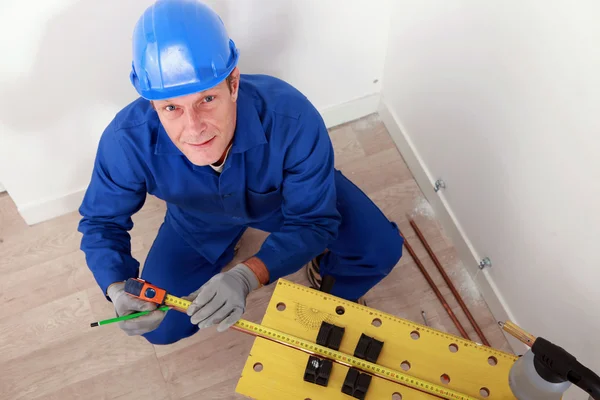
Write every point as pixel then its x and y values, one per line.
pixel 126 304
pixel 222 300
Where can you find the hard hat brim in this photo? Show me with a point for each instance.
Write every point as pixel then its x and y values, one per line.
pixel 190 87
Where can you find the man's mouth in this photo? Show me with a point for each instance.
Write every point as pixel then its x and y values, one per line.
pixel 202 144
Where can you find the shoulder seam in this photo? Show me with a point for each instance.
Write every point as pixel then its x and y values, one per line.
pixel 130 126
pixel 296 117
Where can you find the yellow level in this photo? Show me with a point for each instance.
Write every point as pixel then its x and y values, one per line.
pixel 294 316
pixel 350 361
pixel 426 363
pixel 339 357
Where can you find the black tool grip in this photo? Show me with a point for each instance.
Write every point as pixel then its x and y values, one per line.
pixel 133 287
pixel 555 364
pixel 586 379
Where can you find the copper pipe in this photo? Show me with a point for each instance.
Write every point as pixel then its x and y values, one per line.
pixel 435 289
pixel 449 283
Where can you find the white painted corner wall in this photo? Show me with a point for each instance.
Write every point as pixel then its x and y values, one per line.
pixel 443 213
pixel 74 80
pixel 501 100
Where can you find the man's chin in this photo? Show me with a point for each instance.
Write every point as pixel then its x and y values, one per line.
pixel 205 155
pixel 200 161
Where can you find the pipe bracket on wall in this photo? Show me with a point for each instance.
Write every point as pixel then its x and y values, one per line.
pixel 485 262
pixel 439 184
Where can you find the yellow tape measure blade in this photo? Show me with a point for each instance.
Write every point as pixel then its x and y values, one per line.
pixel 336 356
pixel 177 302
pixel 350 361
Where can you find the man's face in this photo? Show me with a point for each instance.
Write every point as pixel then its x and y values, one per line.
pixel 202 124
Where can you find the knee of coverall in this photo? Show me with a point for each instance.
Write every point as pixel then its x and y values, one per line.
pixel 172 330
pixel 389 250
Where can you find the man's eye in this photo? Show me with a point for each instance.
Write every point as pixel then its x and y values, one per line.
pixel 208 99
pixel 170 108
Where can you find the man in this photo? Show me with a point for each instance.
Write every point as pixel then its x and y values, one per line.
pixel 225 152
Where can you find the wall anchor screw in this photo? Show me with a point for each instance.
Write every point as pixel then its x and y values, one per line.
pixel 486 262
pixel 439 184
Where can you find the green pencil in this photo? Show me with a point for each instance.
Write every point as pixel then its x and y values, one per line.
pixel 126 317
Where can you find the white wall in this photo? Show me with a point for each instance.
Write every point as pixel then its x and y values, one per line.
pixel 67 74
pixel 502 101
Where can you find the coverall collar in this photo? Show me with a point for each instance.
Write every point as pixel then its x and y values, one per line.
pixel 249 132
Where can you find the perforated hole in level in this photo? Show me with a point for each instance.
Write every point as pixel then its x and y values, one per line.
pixel 445 379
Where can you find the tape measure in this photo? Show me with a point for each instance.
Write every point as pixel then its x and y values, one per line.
pixel 177 302
pixel 146 291
pixel 349 361
pixel 143 290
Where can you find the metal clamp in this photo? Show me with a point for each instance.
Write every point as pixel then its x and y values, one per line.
pixel 485 262
pixel 439 184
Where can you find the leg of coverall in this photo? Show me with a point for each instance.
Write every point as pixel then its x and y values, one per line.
pixel 172 264
pixel 368 245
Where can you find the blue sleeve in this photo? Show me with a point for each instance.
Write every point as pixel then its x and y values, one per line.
pixel 117 191
pixel 311 218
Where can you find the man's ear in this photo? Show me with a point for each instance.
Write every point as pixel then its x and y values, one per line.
pixel 234 83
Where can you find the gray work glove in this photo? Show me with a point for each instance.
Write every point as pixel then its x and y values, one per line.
pixel 126 304
pixel 222 300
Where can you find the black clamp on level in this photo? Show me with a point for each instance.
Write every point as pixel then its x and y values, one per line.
pixel 368 348
pixel 356 384
pixel 330 336
pixel 318 371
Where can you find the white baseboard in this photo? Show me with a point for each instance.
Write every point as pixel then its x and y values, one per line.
pixel 449 222
pixel 350 110
pixel 44 210
pixel 2 189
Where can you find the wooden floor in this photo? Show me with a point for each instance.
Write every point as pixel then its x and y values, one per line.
pixel 48 351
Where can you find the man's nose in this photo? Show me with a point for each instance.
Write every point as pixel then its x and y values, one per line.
pixel 196 122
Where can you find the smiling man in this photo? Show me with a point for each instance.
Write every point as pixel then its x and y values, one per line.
pixel 226 152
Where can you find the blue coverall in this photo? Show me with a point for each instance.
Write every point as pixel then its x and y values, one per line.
pixel 278 177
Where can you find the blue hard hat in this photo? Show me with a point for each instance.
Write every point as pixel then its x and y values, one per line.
pixel 180 47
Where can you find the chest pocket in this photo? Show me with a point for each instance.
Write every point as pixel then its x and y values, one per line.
pixel 261 205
